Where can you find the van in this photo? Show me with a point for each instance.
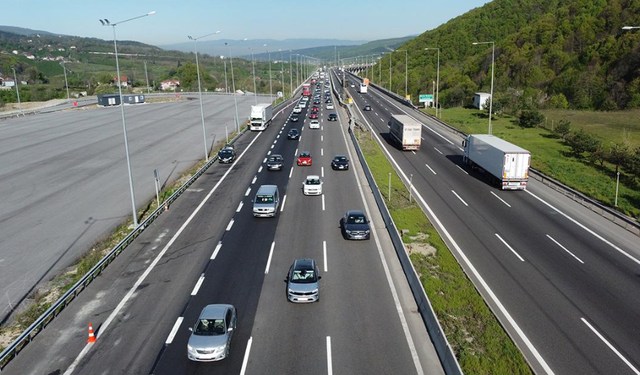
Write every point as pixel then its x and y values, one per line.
pixel 266 201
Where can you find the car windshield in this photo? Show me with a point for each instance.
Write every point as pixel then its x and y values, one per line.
pixel 226 152
pixel 264 199
pixel 340 158
pixel 275 158
pixel 209 327
pixel 356 219
pixel 313 181
pixel 303 276
pixel 305 155
pixel 293 131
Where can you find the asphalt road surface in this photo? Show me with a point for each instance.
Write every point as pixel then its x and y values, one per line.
pixel 210 249
pixel 563 280
pixel 65 182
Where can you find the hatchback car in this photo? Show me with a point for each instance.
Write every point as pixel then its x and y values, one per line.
pixel 312 185
pixel 314 124
pixel 293 134
pixel 314 109
pixel 227 155
pixel 340 162
pixel 297 109
pixel 305 158
pixel 302 281
pixel 332 117
pixel 275 162
pixel 211 335
pixel 367 107
pixel 313 115
pixel 355 226
pixel 295 117
pixel 328 100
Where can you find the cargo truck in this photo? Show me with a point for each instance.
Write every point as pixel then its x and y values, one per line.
pixel 260 116
pixel 364 86
pixel 306 89
pixel 406 131
pixel 505 163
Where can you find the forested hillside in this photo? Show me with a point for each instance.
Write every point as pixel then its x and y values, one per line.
pixel 548 54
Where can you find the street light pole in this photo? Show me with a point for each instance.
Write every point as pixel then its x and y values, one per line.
pixel 255 90
pixel 146 74
pixel 233 84
pixel 15 80
pixel 106 22
pixel 282 72
pixel 270 86
pixel 493 56
pixel 437 79
pixel 290 74
pixel 66 83
pixel 204 131
pixel 390 53
pixel 226 84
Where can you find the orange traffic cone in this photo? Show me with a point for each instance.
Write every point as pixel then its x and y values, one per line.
pixel 92 337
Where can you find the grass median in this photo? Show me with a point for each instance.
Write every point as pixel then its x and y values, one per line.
pixel 480 343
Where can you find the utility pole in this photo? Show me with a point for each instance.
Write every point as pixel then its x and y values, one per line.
pixel 146 74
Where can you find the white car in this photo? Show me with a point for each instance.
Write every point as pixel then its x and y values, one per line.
pixel 312 185
pixel 302 104
pixel 314 124
pixel 297 109
pixel 330 106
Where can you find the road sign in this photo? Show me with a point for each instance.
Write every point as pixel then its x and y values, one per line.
pixel 425 98
pixel 350 100
pixel 408 97
pixel 279 94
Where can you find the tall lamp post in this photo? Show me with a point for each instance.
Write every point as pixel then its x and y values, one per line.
pixel 290 74
pixel 66 83
pixel 255 90
pixel 204 131
pixel 270 86
pixel 282 72
pixel 15 80
pixel 406 70
pixel 105 22
pixel 390 54
pixel 437 77
pixel 146 75
pixel 233 85
pixel 493 56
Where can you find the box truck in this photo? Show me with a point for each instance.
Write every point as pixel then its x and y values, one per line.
pixel 260 116
pixel 406 131
pixel 505 163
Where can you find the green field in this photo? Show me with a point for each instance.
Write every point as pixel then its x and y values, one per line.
pixel 479 342
pixel 552 157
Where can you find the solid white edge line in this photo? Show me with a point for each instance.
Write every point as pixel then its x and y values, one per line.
pixel 324 251
pixel 470 265
pixel 329 360
pixel 460 168
pixel 196 288
pixel 174 330
pixel 217 249
pixel 611 346
pixel 565 249
pixel 587 229
pixel 230 225
pixel 246 356
pixel 509 247
pixel 240 206
pixel 116 311
pixel 440 152
pixel 461 200
pixel 284 200
pixel 291 172
pixel 248 191
pixel 273 245
pixel 432 171
pixel 502 200
pixel 322 202
pixel 385 267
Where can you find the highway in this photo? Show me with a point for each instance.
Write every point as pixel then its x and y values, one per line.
pixel 210 249
pixel 65 182
pixel 561 279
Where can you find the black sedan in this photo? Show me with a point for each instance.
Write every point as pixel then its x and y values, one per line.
pixel 332 117
pixel 294 117
pixel 355 226
pixel 227 155
pixel 340 162
pixel 367 107
pixel 293 134
pixel 275 163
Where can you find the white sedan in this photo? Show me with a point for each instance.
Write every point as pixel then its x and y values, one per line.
pixel 330 106
pixel 312 185
pixel 297 109
pixel 314 124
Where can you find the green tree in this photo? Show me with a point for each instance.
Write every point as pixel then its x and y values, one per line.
pixel 559 101
pixel 581 142
pixel 530 118
pixel 104 89
pixel 105 79
pixel 563 129
pixel 620 155
pixel 188 75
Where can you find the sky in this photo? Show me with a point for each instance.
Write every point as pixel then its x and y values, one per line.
pixel 254 19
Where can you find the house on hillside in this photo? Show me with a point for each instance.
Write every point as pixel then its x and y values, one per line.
pixel 169 84
pixel 124 80
pixel 480 100
pixel 8 82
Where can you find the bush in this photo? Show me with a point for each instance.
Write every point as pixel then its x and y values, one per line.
pixel 563 129
pixel 581 142
pixel 530 118
pixel 559 101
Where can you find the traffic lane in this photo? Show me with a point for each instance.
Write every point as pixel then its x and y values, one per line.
pixel 494 245
pixel 236 277
pixel 58 345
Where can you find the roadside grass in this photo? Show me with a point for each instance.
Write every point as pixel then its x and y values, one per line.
pixel 46 295
pixel 478 340
pixel 552 157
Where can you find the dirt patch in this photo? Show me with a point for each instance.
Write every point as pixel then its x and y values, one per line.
pixel 420 248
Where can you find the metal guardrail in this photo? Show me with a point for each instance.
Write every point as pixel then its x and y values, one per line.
pixel 616 217
pixel 448 359
pixel 36 327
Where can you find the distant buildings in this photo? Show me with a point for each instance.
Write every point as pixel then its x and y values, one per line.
pixel 169 84
pixel 123 80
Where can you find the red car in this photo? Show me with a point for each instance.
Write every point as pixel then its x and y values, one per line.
pixel 314 109
pixel 313 115
pixel 304 158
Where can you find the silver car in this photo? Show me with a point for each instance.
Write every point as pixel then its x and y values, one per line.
pixel 211 336
pixel 302 281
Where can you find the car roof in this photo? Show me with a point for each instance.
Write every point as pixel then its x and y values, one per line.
pixel 313 177
pixel 339 156
pixel 304 264
pixel 215 311
pixel 307 153
pixel 355 213
pixel 275 156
